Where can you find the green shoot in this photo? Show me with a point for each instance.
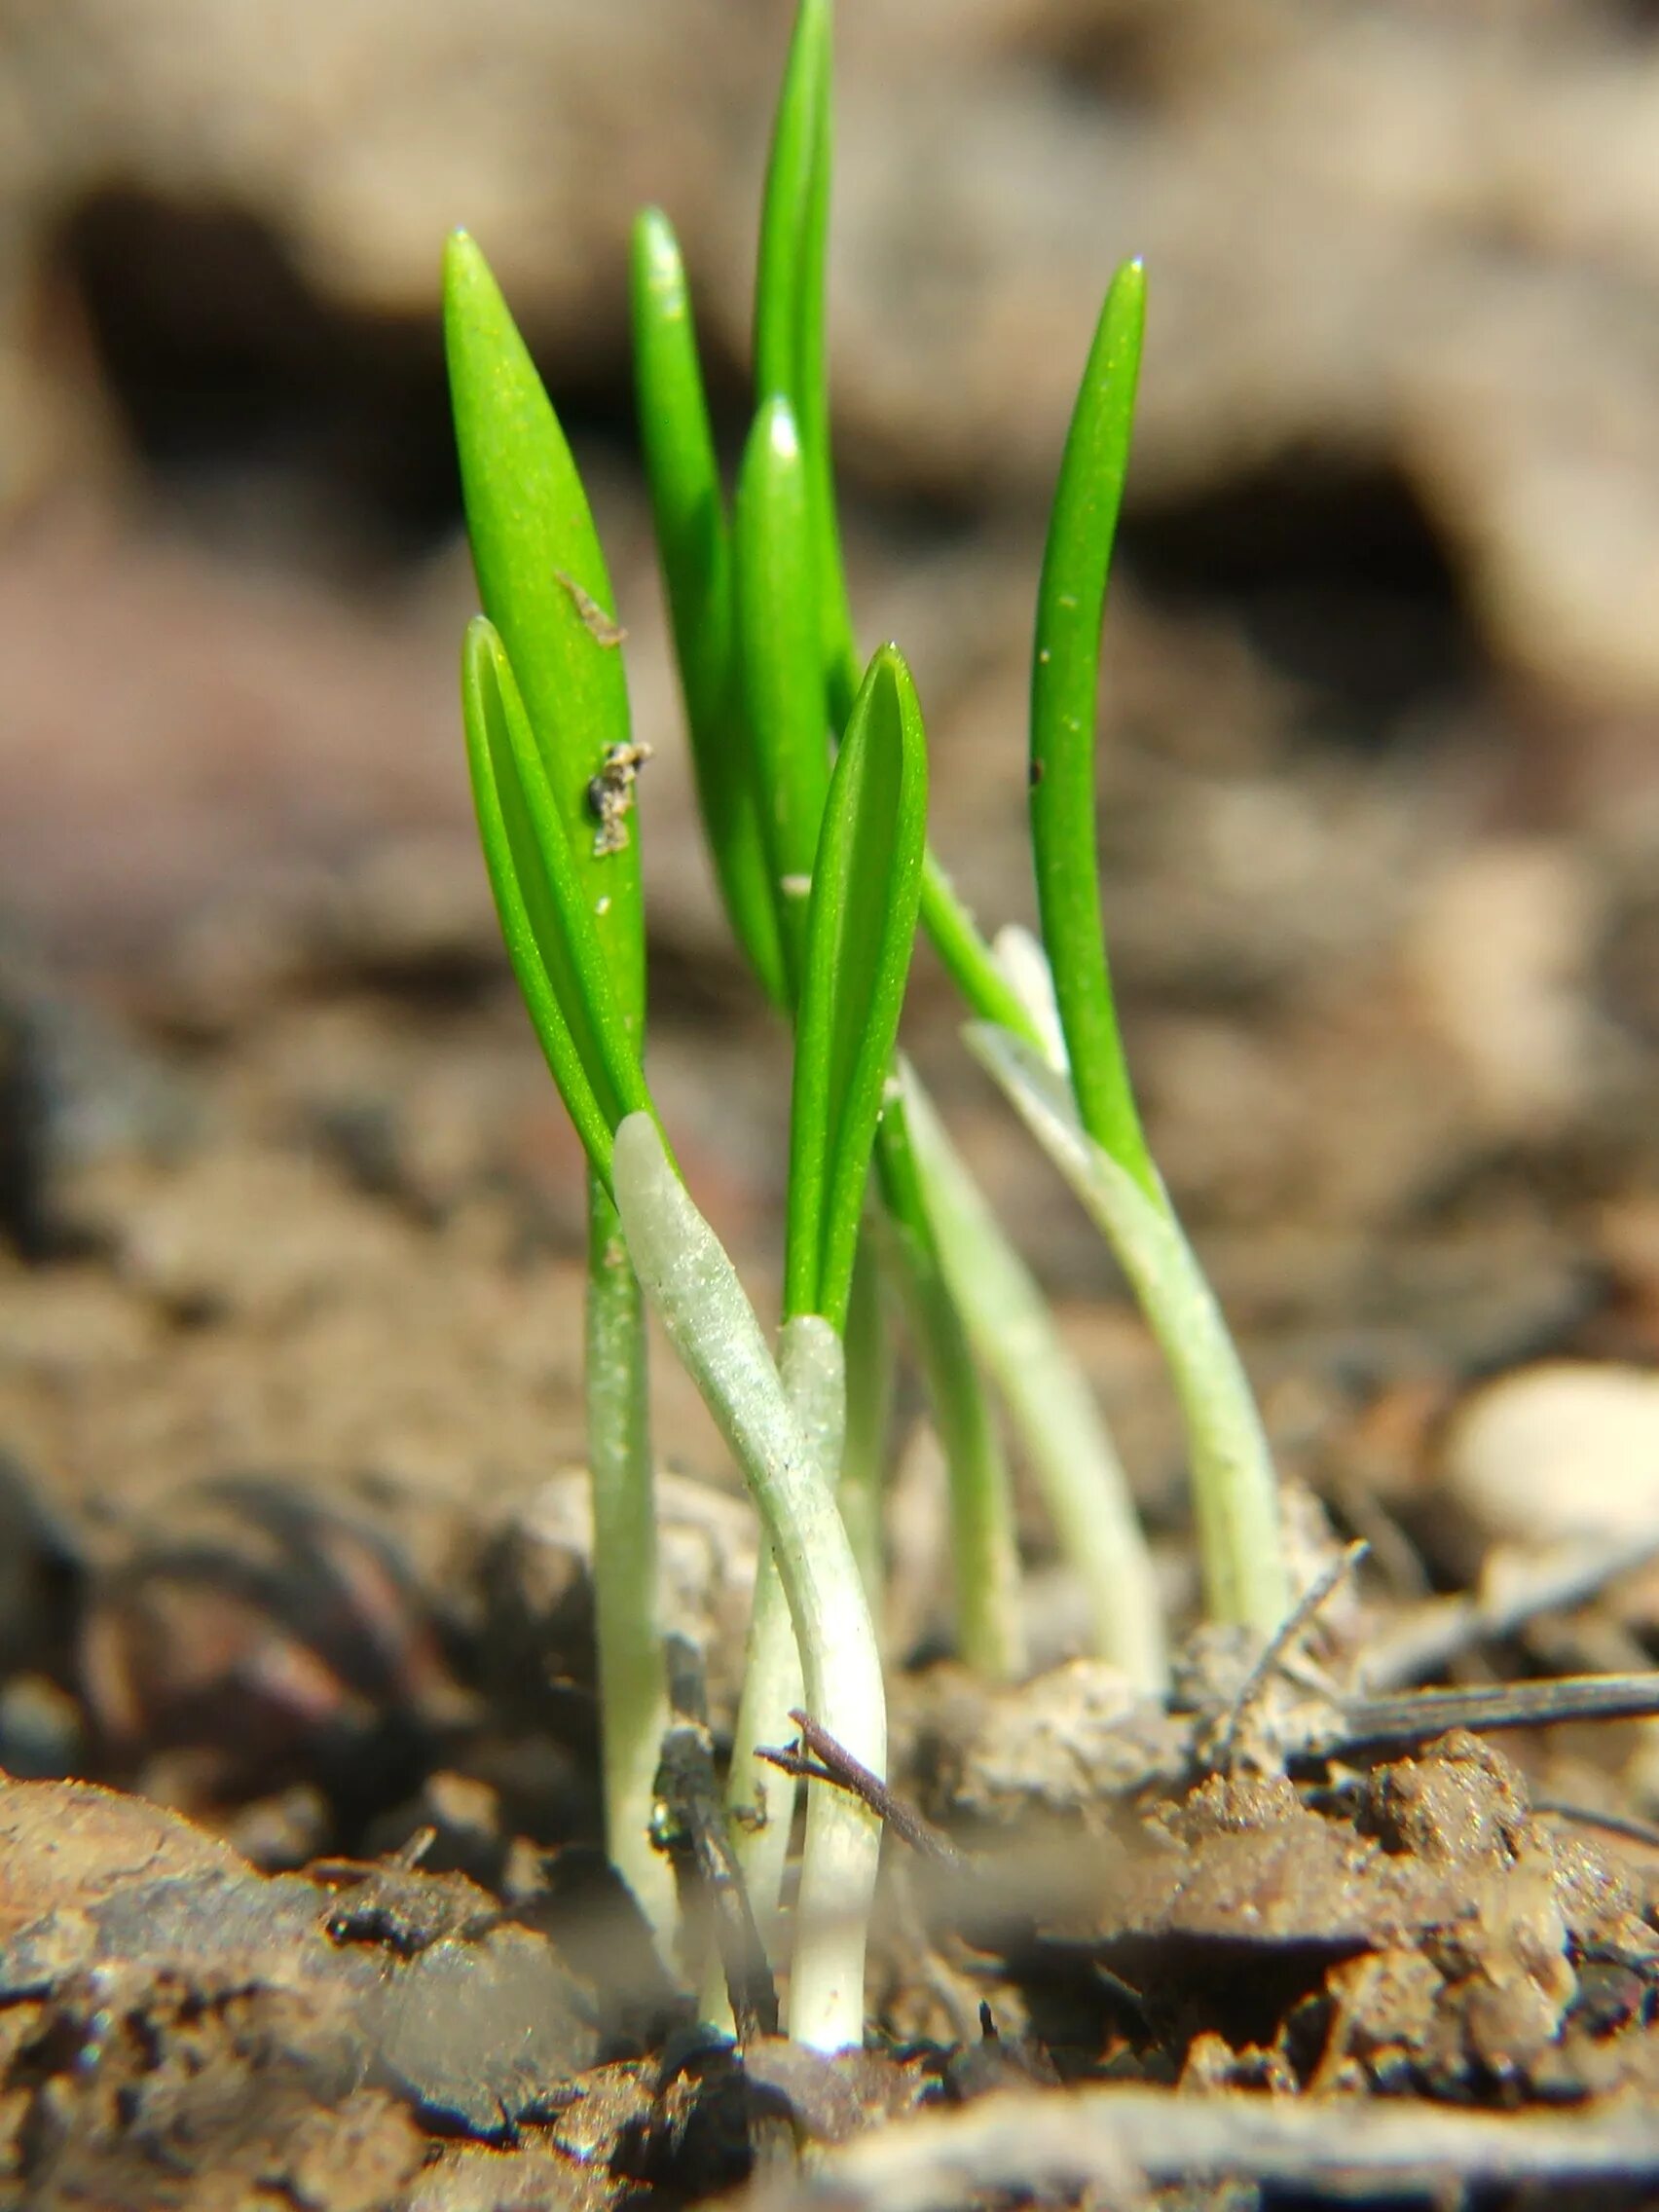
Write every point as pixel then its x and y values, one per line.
pixel 546 704
pixel 552 937
pixel 861 926
pixel 543 583
pixel 790 359
pixel 694 545
pixel 861 922
pixel 1235 1495
pixel 1235 1491
pixel 1065 676
pixel 772 632
pixel 966 959
pixel 790 321
pixel 569 988
pixel 777 629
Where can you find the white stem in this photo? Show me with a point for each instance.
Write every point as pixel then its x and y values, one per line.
pixel 693 1286
pixel 633 1680
pixel 762 1798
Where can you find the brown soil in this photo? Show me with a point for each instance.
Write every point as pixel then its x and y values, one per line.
pixel 283 1385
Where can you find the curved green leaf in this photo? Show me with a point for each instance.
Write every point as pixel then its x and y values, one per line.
pixel 1065 676
pixel 695 547
pixel 541 896
pixel 861 927
pixel 544 584
pixel 777 630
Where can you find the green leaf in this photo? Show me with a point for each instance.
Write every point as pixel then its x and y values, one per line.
pixel 791 359
pixel 1064 685
pixel 542 580
pixel 1234 1488
pixel 789 309
pixel 694 546
pixel 541 898
pixel 777 630
pixel 861 925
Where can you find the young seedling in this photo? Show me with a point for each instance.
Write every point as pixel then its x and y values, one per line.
pixel 550 865
pixel 861 926
pixel 547 723
pixel 1235 1490
pixel 1235 1495
pixel 747 599
pixel 569 992
pixel 820 857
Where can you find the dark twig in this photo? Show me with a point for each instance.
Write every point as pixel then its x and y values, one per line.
pixel 823 1759
pixel 1624 1824
pixel 691 1822
pixel 1283 1641
pixel 688 1793
pixel 1412 1716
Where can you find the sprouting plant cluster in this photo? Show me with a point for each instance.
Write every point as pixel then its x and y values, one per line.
pixel 811 771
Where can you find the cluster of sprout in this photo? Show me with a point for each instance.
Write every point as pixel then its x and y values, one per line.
pixel 811 772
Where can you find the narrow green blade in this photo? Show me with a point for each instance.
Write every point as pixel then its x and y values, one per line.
pixel 789 314
pixel 777 630
pixel 542 580
pixel 541 899
pixel 695 547
pixel 861 925
pixel 793 206
pixel 1065 683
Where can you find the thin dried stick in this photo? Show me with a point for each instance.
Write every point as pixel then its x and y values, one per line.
pixel 1281 1644
pixel 1115 2141
pixel 823 1759
pixel 1412 1716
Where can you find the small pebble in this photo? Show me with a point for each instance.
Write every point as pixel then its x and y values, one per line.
pixel 1562 1450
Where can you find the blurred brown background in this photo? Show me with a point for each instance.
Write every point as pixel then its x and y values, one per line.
pixel 1380 805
